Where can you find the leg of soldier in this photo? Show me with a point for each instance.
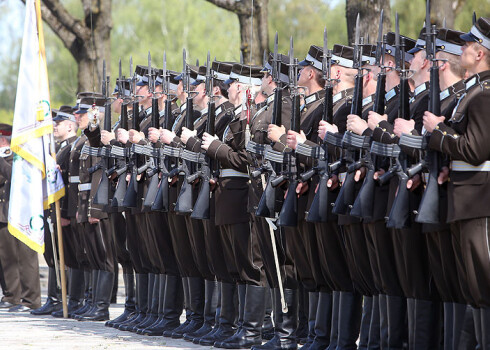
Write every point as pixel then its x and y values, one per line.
pixel 28 265
pixel 382 240
pixel 123 257
pixel 53 299
pixel 9 259
pixel 362 275
pixel 416 281
pixel 2 280
pixel 474 237
pixel 247 258
pixel 204 289
pixel 215 253
pixel 103 251
pixel 334 264
pixel 296 249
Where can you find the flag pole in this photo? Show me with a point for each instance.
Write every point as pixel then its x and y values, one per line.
pixel 53 154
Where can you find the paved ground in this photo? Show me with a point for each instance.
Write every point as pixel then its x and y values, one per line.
pixel 24 331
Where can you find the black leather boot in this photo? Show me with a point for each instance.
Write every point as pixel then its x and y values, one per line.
pixel 188 312
pixel 196 299
pixel 367 308
pixel 302 330
pixel 103 295
pixel 268 327
pixel 383 320
pixel 53 302
pixel 312 308
pixel 427 325
pixel 94 278
pixel 323 322
pixel 249 334
pixel 461 319
pixel 160 294
pixel 141 303
pixel 397 311
pixel 485 328
pixel 129 305
pixel 374 328
pixel 285 323
pixel 334 330
pixel 227 318
pixel 75 293
pixel 153 295
pixel 448 325
pixel 467 340
pixel 210 304
pixel 172 305
pixel 349 320
pixel 242 291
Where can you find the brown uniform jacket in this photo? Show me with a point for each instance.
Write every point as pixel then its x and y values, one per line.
pixel 74 175
pixel 63 160
pixel 231 196
pixel 467 139
pixel 5 177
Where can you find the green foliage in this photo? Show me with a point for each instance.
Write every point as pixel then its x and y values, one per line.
pixel 140 26
pixel 306 25
pixel 412 15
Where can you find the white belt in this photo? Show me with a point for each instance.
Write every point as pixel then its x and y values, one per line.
pixel 342 177
pixel 459 165
pixel 425 176
pixel 84 187
pixel 232 173
pixel 74 179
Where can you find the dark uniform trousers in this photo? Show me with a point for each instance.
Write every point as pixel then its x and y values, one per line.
pixel 134 243
pixel 20 270
pixel 162 241
pixel 118 228
pixel 99 245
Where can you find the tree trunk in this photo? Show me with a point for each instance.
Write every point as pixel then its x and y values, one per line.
pixel 88 40
pixel 252 48
pixel 369 11
pixel 445 9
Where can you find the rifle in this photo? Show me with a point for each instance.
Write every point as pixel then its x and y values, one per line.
pixel 119 153
pixel 131 196
pixel 206 164
pixel 319 209
pixel 288 215
pixel 102 195
pixel 363 205
pixel 161 202
pixel 351 143
pixel 267 203
pixel 429 160
pixel 184 200
pixel 399 215
pixel 152 153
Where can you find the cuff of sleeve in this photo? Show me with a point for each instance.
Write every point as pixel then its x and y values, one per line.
pixel 213 148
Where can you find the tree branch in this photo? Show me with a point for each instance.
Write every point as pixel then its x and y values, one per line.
pixel 239 7
pixel 65 18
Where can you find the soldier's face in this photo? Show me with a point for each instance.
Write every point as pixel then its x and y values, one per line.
pixel 116 105
pixel 143 92
pixel 233 93
pixel 266 86
pixel 60 129
pixel 82 120
pixel 468 57
pixel 200 98
pixel 417 61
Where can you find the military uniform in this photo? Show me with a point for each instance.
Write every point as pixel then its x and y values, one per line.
pixel 19 262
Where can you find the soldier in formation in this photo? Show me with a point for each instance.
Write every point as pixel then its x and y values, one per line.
pixel 346 192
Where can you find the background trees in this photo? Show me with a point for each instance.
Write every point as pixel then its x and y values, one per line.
pixel 133 27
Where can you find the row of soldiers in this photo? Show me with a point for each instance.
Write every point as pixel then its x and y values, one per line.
pixel 296 191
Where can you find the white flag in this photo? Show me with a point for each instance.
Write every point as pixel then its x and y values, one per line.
pixel 36 182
